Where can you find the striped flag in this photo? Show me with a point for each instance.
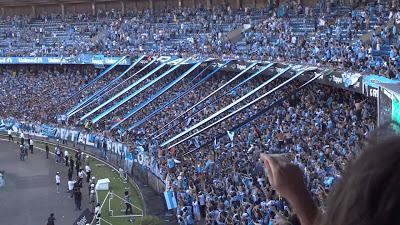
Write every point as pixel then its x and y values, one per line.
pixel 170 200
pixel 2 125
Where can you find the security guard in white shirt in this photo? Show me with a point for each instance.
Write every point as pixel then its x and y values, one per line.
pixel 10 137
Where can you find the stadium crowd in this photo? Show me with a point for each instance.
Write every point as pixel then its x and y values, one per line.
pixel 303 35
pixel 321 127
pixel 34 93
pixel 223 182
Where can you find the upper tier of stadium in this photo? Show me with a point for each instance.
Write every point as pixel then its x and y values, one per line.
pixel 362 39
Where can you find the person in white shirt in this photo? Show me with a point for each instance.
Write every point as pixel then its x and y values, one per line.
pixel 71 184
pixel 31 145
pixel 397 18
pixel 88 171
pixel 81 174
pixel 196 209
pixel 92 181
pixel 10 137
pixel 58 181
pixel 21 136
pixel 202 202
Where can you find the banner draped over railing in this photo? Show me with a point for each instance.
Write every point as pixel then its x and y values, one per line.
pixel 219 97
pixel 97 78
pixel 199 74
pixel 83 59
pixel 69 134
pixel 102 90
pixel 129 153
pixel 238 110
pixel 123 91
pixel 227 107
pixel 204 99
pixel 123 101
pixel 152 114
pixel 130 77
pixel 156 95
pixel 255 116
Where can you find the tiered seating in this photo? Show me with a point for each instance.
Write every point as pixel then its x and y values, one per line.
pixel 308 35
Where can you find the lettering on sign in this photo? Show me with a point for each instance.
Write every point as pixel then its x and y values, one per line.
pixel 82 221
pixel 321 76
pixel 32 60
pixel 373 92
pixel 85 218
pixel 337 80
pixel 240 67
pixel 97 61
pixel 164 59
pixel 54 60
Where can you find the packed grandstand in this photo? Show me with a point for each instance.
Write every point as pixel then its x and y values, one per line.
pixel 196 102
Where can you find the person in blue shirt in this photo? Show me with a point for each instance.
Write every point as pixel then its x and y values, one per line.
pixel 171 163
pixel 189 219
pixel 199 169
pixel 209 165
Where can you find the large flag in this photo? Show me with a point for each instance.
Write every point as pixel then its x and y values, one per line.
pixel 170 200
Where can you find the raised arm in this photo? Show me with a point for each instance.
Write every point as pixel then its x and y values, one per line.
pixel 287 179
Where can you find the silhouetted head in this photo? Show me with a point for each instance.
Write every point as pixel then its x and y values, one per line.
pixel 369 192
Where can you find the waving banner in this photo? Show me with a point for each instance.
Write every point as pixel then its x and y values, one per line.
pixel 156 95
pixel 123 101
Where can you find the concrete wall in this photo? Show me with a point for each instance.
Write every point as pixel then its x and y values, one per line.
pixel 20 10
pixel 108 6
pixel 48 9
pixel 78 8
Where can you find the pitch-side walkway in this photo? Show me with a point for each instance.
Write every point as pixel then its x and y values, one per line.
pixel 30 195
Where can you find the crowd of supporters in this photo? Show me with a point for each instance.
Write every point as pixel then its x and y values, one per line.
pixel 40 93
pixel 303 35
pixel 223 182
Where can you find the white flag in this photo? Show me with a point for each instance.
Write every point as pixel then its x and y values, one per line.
pixel 231 135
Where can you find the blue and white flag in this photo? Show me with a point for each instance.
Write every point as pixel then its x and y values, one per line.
pixel 231 135
pixel 2 125
pixel 188 121
pixel 170 200
pixel 217 144
pixel 350 79
pixel 197 142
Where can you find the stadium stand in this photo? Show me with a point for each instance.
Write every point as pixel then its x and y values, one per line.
pixel 288 37
pixel 216 175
